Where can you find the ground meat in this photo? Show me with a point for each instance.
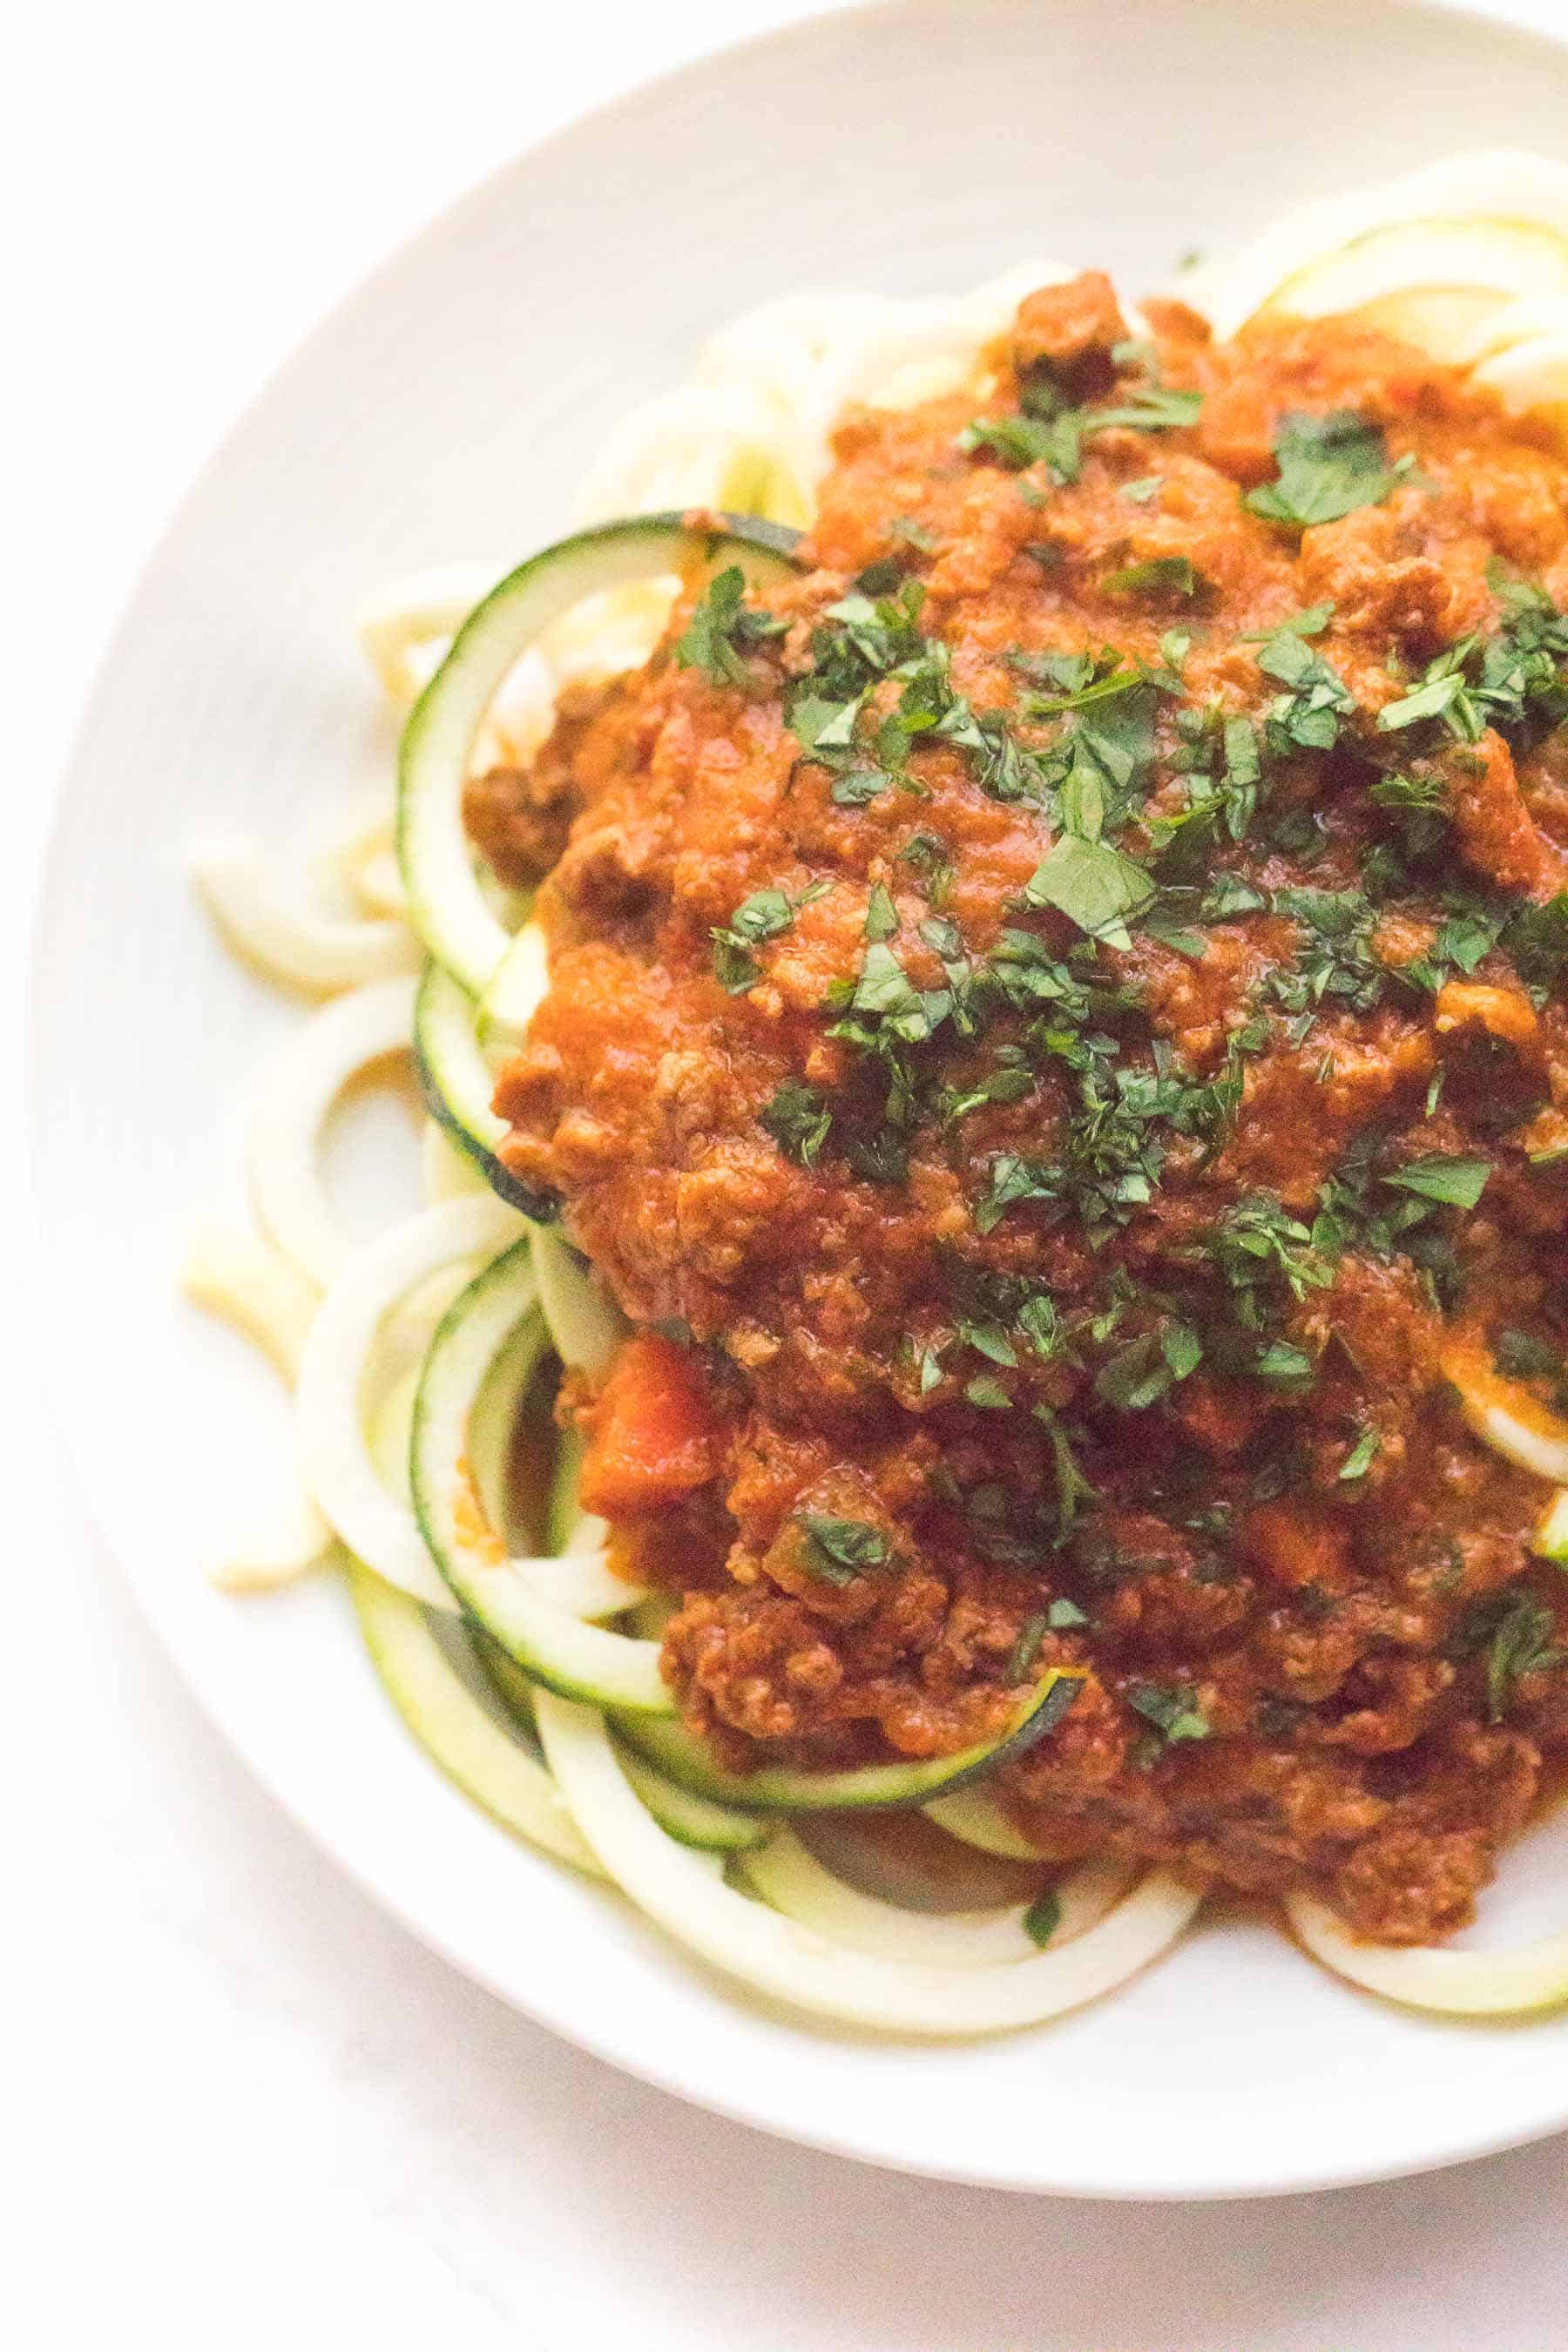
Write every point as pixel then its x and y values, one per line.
pixel 520 818
pixel 1071 330
pixel 1046 1300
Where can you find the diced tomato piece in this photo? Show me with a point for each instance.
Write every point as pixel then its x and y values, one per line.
pixel 1295 1544
pixel 651 1436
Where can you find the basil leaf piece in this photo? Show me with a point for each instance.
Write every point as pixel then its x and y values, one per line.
pixel 1043 1917
pixel 1173 1710
pixel 1457 1183
pixel 1093 885
pixel 799 1121
pixel 839 1550
pixel 722 631
pixel 881 915
pixel 1360 1457
pixel 1160 576
pixel 1329 466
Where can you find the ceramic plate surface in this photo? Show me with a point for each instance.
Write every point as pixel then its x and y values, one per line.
pixel 443 414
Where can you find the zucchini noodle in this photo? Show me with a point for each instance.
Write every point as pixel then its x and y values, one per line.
pixel 531 1676
pixel 298 1090
pixel 268 920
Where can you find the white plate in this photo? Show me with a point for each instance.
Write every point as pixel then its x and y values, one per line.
pixel 443 413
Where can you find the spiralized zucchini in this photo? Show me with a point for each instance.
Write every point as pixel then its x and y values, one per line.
pixel 779 1957
pixel 1469 259
pixel 267 918
pixel 299 1088
pixel 1449 1984
pixel 454 1729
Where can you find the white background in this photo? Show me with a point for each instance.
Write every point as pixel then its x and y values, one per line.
pixel 244 2108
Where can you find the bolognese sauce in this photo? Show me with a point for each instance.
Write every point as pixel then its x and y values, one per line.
pixel 1057 1040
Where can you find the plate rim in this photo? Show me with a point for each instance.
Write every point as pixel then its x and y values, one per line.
pixel 51 874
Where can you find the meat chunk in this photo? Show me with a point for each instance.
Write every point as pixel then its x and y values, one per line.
pixel 1071 330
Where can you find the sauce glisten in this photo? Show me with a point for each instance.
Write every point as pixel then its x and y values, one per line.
pixel 1084 1300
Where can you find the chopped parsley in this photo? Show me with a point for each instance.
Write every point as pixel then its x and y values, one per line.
pixel 1418 801
pixel 1443 693
pixel 1517 1634
pixel 1536 940
pixel 859 787
pixel 1173 1711
pixel 1351 1215
pixel 1336 960
pixel 1158 576
pixel 723 630
pixel 1140 1373
pixel 1043 1917
pixel 1022 441
pixel 799 1120
pixel 837 1551
pixel 1457 1183
pixel 1328 465
pixel 911 533
pixel 1307 716
pixel 1523 678
pixel 1093 885
pixel 1153 407
pixel 881 915
pixel 763 915
pixel 1522 1357
pixel 1009 1082
pixel 1013 1181
pixel 1048 431
pixel 1360 1457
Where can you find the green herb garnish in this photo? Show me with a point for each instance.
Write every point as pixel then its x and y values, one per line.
pixel 1043 1917
pixel 1457 1183
pixel 723 630
pixel 799 1121
pixel 763 915
pixel 1360 1457
pixel 1328 465
pixel 1173 1710
pixel 837 1551
pixel 1159 575
pixel 1093 885
pixel 881 914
